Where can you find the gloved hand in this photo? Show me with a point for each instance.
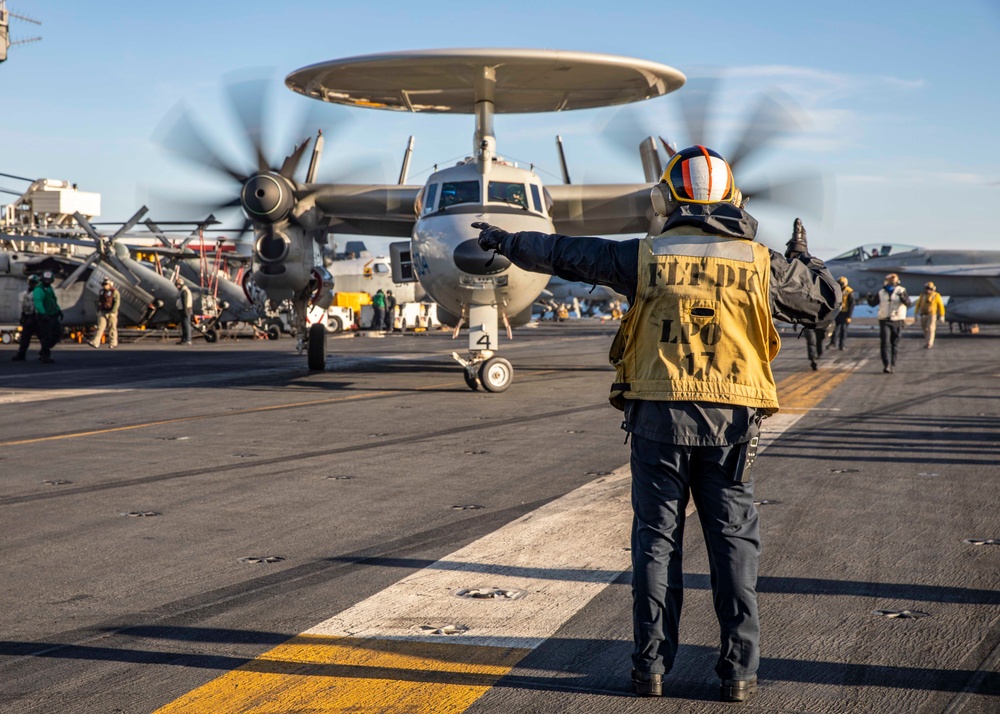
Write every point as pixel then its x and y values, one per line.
pixel 60 316
pixel 490 237
pixel 797 245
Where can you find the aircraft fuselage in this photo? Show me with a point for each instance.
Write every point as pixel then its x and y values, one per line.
pixel 446 256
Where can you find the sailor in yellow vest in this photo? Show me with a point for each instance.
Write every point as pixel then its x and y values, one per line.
pixel 843 318
pixel 694 378
pixel 930 308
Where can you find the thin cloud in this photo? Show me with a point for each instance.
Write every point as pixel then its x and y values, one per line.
pixel 936 178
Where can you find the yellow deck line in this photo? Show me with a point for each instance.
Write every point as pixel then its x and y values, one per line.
pixel 315 673
pixel 326 674
pixel 804 390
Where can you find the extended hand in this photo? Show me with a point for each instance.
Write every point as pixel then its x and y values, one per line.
pixel 797 245
pixel 490 237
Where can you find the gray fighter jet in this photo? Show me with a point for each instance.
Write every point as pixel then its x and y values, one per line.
pixel 971 278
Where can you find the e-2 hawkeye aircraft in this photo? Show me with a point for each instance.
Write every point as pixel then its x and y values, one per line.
pixel 291 220
pixel 971 278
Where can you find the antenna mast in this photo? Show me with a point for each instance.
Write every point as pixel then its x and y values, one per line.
pixel 5 41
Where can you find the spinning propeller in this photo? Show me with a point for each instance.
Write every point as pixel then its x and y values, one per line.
pixel 266 190
pixel 768 122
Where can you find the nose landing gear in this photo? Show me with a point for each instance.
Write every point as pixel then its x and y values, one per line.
pixel 493 373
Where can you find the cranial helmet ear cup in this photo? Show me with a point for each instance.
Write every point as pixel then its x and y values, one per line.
pixel 662 199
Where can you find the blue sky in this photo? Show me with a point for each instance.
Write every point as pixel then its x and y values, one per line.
pixel 901 97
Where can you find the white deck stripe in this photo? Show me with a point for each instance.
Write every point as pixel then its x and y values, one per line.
pixel 561 555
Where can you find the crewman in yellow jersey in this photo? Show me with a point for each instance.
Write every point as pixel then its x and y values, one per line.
pixel 693 376
pixel 930 309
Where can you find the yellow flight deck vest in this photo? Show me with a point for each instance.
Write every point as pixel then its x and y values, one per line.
pixel 700 329
pixel 845 294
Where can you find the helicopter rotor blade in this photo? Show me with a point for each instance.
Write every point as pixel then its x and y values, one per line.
pixel 159 234
pixel 130 223
pixel 75 275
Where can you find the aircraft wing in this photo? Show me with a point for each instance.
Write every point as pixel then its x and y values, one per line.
pixel 366 209
pixel 990 270
pixel 600 209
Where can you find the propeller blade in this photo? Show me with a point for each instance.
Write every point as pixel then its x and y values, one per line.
pixel 315 115
pixel 804 192
pixel 185 204
pixel 247 99
pixel 696 99
pixel 291 163
pixel 187 140
pixel 625 129
pixel 769 122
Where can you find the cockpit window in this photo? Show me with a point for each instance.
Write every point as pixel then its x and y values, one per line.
pixel 536 197
pixel 432 192
pixel 454 192
pixel 506 192
pixel 875 250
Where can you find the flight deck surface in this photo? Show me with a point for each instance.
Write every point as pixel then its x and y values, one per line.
pixel 138 485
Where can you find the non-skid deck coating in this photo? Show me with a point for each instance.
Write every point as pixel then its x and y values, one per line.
pixel 387 488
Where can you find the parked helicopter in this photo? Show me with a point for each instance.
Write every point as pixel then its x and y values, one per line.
pixel 222 301
pixel 148 296
pixel 291 220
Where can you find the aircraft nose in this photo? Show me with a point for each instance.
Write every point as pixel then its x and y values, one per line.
pixel 470 258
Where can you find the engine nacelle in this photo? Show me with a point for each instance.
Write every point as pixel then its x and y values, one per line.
pixel 283 261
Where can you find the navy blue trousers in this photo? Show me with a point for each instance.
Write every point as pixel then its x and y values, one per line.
pixel 662 477
pixel 889 332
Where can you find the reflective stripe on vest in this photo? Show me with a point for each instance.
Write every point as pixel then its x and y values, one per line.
pixel 700 328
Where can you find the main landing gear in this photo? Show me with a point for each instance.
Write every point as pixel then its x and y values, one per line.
pixel 317 348
pixel 495 374
pixel 311 339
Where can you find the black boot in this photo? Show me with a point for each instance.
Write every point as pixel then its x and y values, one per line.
pixel 647 684
pixel 737 690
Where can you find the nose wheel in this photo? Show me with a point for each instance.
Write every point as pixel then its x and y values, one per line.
pixel 494 374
